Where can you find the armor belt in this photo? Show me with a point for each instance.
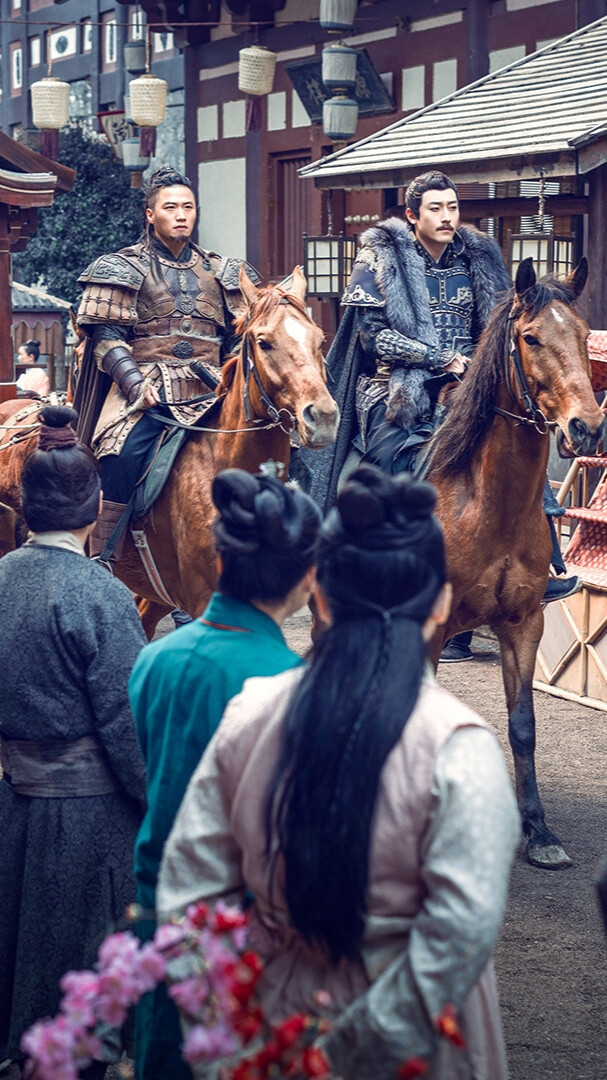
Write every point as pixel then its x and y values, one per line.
pixel 59 770
pixel 368 392
pixel 185 324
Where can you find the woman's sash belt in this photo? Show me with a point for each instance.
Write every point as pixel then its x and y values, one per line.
pixel 57 770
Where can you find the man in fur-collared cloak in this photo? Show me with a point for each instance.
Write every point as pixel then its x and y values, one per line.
pixel 419 296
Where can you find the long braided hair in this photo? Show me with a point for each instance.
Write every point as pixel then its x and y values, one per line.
pixel 381 565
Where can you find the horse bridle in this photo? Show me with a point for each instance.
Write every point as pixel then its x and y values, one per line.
pixel 276 417
pixel 249 369
pixel 519 387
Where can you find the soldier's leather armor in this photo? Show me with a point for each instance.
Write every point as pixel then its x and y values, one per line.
pixel 149 316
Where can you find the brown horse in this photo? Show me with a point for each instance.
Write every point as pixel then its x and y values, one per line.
pixel 530 373
pixel 275 387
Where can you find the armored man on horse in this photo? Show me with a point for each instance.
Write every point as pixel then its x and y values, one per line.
pixel 158 316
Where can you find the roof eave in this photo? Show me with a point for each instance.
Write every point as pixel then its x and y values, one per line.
pixel 523 167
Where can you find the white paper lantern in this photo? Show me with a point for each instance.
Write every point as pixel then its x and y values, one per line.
pixel 132 159
pixel 50 104
pixel 339 118
pixel 135 56
pixel 148 97
pixel 339 67
pixel 337 14
pixel 256 67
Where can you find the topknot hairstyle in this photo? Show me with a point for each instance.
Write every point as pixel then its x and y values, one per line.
pixel 266 534
pixel 165 176
pixel 60 482
pixel 430 181
pixel 32 348
pixel 381 546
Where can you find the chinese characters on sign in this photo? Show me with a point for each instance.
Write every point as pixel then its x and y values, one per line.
pixel 371 94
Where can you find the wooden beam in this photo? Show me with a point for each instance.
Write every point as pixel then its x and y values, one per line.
pixel 597 250
pixel 557 205
pixel 27 189
pixel 477 17
pixel 28 161
pixel 7 373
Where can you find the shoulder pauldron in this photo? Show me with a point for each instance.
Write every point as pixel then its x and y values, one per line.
pixel 114 270
pixel 227 270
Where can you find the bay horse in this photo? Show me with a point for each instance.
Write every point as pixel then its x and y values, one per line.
pixel 275 387
pixel 530 373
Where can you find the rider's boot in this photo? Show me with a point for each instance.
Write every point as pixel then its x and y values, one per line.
pixel 107 521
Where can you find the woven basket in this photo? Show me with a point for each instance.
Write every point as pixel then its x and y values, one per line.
pixel 256 66
pixel 50 104
pixel 148 97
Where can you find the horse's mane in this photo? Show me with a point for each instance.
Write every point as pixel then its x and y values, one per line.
pixel 471 403
pixel 265 303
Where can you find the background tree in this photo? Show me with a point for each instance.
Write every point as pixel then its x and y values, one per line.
pixel 101 213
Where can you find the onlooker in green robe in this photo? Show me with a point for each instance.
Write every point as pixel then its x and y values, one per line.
pixel 266 539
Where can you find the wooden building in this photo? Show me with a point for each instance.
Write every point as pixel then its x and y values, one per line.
pixel 38 316
pixel 27 181
pixel 528 148
pixel 253 201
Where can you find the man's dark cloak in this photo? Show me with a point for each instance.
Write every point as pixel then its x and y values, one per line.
pixel 400 275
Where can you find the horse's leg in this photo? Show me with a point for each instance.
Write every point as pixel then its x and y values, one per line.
pixel 518 645
pixel 150 613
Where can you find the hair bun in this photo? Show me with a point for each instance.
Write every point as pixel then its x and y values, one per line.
pixel 58 416
pixel 257 512
pixel 375 510
pixel 56 430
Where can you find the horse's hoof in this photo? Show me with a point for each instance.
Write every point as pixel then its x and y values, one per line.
pixel 548 857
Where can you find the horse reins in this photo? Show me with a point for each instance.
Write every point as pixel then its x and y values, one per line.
pixel 276 417
pixel 519 389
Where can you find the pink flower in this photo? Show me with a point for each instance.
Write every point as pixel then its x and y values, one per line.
pixel 118 949
pixel 151 967
pixel 80 989
pixel 190 994
pixel 226 917
pixel 168 936
pixel 52 1044
pixel 207 1044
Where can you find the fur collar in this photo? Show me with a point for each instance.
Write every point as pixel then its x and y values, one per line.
pixel 400 274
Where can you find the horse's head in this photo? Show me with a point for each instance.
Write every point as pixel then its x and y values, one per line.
pixel 286 351
pixel 551 341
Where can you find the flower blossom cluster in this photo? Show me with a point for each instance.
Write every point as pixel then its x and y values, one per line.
pixel 212 976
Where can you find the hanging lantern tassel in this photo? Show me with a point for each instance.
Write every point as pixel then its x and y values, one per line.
pixel 147 141
pixel 253 113
pixel 49 144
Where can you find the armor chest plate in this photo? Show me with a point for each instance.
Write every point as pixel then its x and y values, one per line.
pixel 452 305
pixel 186 290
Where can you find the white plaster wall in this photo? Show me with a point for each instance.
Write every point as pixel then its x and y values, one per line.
pixel 222 196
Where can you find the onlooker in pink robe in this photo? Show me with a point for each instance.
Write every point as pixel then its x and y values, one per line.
pixel 368 810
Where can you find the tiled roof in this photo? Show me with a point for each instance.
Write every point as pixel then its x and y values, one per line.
pixel 532 115
pixel 25 298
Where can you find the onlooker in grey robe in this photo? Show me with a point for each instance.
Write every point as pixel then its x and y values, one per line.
pixel 73 790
